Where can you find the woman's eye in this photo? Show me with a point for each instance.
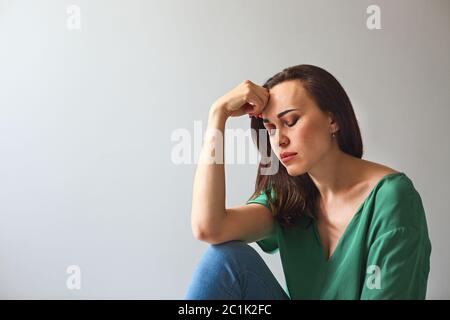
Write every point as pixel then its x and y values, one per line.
pixel 271 130
pixel 292 123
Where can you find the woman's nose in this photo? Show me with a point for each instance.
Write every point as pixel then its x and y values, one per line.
pixel 283 139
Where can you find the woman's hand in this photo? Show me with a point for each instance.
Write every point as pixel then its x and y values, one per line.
pixel 246 98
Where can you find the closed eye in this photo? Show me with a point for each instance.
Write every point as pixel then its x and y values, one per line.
pixel 270 127
pixel 292 124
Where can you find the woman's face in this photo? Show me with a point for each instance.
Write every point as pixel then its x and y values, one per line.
pixel 306 130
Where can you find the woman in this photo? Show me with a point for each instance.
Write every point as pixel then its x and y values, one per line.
pixel 346 228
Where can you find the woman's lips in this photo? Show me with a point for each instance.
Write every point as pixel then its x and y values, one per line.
pixel 286 159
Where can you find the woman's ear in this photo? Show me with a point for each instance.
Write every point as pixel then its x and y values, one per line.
pixel 334 126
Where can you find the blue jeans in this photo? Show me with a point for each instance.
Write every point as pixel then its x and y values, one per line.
pixel 233 270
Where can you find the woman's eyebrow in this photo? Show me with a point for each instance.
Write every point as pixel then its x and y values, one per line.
pixel 279 115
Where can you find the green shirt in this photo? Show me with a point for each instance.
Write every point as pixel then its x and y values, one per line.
pixel 384 253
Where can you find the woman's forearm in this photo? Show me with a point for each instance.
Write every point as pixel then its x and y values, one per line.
pixel 208 199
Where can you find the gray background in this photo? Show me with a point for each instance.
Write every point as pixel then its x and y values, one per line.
pixel 86 117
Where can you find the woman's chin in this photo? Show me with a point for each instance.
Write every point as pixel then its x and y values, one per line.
pixel 295 170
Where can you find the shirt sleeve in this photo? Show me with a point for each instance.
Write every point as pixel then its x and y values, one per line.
pixel 270 243
pixel 398 265
pixel 398 257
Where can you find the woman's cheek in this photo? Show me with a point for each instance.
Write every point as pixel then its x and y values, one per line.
pixel 309 140
pixel 302 133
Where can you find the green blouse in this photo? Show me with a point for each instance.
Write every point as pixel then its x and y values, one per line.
pixel 384 253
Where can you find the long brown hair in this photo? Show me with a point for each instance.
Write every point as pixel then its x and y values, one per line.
pixel 295 196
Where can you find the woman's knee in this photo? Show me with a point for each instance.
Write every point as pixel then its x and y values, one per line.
pixel 232 250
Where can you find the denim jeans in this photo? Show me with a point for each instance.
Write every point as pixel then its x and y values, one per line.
pixel 233 270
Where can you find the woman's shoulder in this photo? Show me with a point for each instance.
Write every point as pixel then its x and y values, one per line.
pixel 394 186
pixel 396 202
pixel 383 179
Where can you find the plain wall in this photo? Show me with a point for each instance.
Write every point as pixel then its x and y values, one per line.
pixel 87 115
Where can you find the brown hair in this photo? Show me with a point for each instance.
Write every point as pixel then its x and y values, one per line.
pixel 296 196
